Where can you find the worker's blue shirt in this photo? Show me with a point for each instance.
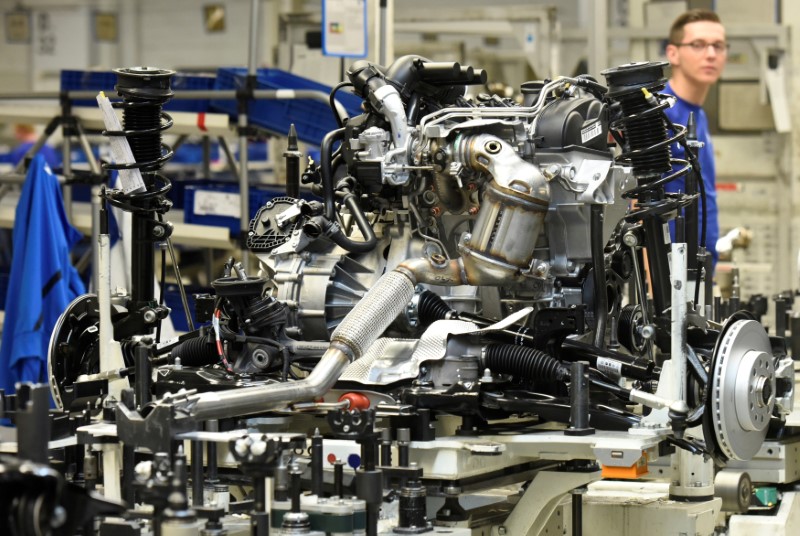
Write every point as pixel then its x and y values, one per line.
pixel 679 114
pixel 43 281
pixel 51 156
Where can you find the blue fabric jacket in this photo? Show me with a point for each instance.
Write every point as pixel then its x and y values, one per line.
pixel 679 114
pixel 43 281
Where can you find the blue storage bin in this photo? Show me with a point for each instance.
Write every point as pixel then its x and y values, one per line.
pixel 88 80
pixel 106 80
pixel 172 299
pixel 312 119
pixel 190 82
pixel 258 198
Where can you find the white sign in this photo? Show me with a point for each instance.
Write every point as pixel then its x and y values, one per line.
pixel 344 28
pixel 209 203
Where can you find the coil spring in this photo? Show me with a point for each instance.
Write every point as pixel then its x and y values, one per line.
pixel 634 87
pixel 144 91
pixel 645 127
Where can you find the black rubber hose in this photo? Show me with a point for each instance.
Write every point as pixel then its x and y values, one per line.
pixel 523 362
pixel 353 246
pixel 326 170
pixel 599 269
pixel 332 101
pixel 431 307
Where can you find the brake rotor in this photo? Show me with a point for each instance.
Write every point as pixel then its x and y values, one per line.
pixel 741 393
pixel 74 346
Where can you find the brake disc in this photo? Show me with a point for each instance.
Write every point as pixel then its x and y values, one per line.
pixel 741 392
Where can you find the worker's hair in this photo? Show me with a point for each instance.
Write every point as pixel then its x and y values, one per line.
pixel 693 15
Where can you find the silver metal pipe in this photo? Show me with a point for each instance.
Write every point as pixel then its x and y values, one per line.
pixel 222 94
pixel 382 33
pixel 244 188
pixel 679 313
pixel 219 405
pixel 252 57
pixel 87 149
pixel 356 333
pixel 96 204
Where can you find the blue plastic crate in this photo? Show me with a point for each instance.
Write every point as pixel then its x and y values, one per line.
pixel 172 299
pixel 193 82
pixel 258 198
pixel 312 119
pixel 106 80
pixel 88 80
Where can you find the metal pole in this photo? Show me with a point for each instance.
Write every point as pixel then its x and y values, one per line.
pixel 244 181
pixel 679 312
pixel 598 37
pixel 382 34
pixel 252 58
pixel 244 189
pixel 96 204
pixel 66 158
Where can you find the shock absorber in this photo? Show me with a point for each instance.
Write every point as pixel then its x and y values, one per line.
pixel 634 87
pixel 144 90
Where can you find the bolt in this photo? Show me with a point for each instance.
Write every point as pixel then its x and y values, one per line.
pixel 502 530
pixel 552 171
pixel 473 210
pixel 472 186
pixel 346 428
pixel 149 316
pixel 452 490
pixel 438 259
pixel 648 331
pixel 436 211
pixel 158 231
pixel 630 240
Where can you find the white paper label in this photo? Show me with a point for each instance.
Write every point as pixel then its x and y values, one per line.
pixel 592 131
pixel 208 203
pixel 131 179
pixel 612 367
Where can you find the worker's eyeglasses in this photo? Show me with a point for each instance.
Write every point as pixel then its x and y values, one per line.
pixel 698 47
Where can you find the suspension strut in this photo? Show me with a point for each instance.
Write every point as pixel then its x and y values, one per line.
pixel 144 90
pixel 646 149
